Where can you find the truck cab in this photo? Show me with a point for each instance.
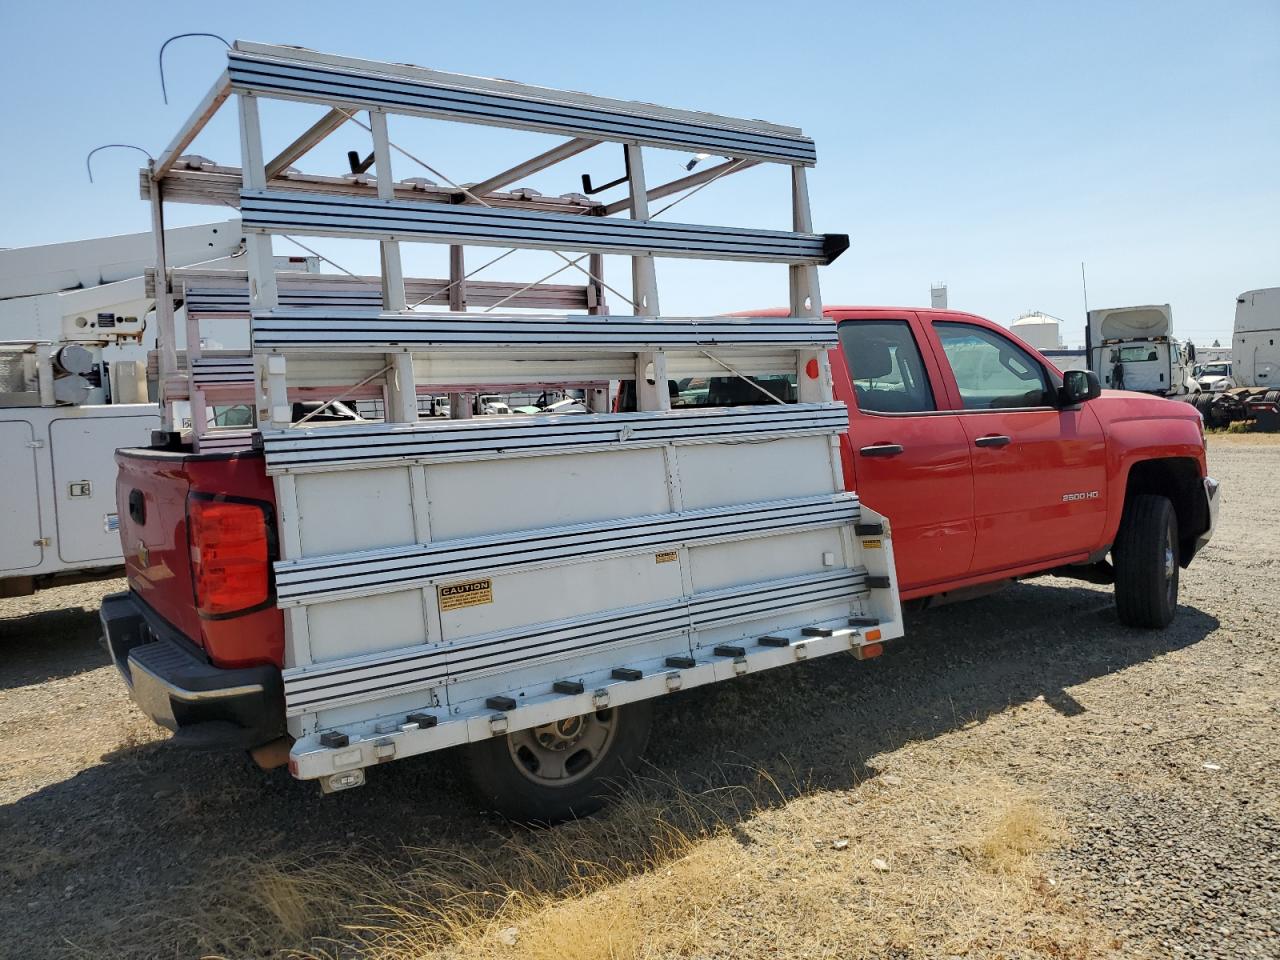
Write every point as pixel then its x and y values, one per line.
pixel 994 465
pixel 1133 348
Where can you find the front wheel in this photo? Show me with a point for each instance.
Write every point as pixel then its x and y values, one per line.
pixel 1146 562
pixel 560 770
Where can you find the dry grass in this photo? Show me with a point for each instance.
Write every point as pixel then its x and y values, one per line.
pixel 926 863
pixel 1244 431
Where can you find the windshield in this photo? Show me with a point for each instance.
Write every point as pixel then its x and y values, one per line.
pixel 1133 354
pixel 1217 369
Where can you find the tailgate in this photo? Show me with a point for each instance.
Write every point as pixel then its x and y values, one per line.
pixel 153 487
pixel 151 499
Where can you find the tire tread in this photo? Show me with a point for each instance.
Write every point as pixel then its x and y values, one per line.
pixel 1140 586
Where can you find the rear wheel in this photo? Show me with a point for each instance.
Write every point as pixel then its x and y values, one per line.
pixel 560 770
pixel 1146 562
pixel 1204 403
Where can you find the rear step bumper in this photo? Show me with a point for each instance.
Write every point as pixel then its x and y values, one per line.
pixel 179 689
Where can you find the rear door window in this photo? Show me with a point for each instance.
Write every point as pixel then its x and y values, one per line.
pixel 992 372
pixel 885 366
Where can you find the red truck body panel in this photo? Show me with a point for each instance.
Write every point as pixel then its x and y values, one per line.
pixel 157 551
pixel 963 513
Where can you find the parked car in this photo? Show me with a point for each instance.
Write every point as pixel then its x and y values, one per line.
pixel 1215 377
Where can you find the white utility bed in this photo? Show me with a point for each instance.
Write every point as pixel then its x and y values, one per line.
pixel 448 582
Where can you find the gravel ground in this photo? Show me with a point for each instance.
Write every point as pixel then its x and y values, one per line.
pixel 1159 752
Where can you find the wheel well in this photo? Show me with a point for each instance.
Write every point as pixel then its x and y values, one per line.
pixel 1177 478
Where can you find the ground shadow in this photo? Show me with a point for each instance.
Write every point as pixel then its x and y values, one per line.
pixel 150 820
pixel 49 645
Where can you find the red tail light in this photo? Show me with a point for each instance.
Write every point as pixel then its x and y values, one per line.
pixel 231 553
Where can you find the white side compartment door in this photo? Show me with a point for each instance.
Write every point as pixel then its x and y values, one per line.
pixel 20 504
pixel 84 481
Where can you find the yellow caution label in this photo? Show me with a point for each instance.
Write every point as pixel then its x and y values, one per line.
pixel 667 556
pixel 871 544
pixel 469 594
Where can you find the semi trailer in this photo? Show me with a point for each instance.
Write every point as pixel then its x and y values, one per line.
pixel 1249 390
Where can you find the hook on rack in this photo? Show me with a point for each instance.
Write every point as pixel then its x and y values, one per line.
pixel 178 36
pixel 88 157
pixel 590 189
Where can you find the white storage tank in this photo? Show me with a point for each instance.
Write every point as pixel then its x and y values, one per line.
pixel 1039 329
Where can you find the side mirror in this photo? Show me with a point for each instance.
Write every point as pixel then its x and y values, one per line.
pixel 1079 386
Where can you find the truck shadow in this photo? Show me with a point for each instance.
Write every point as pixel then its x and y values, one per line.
pixel 158 825
pixel 49 645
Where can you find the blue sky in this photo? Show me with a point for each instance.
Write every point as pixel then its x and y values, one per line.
pixel 990 145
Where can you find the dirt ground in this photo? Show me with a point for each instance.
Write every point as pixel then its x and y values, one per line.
pixel 1020 777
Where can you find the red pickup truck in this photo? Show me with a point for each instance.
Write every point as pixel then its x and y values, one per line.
pixel 990 464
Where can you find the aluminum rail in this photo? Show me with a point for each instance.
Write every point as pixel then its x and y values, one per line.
pixel 290 73
pixel 359 332
pixel 435 729
pixel 209 297
pixel 377 445
pixel 220 186
pixel 278 211
pixel 357 680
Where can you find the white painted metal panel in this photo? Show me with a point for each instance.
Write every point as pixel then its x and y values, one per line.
pixel 801 468
pixel 364 510
pixel 550 491
pixel 20 505
pixel 714 566
pixel 357 574
pixel 84 478
pixel 375 624
pixel 557 593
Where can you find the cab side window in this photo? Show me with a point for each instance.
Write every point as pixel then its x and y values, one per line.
pixel 992 373
pixel 885 365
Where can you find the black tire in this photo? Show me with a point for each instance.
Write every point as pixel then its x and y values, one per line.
pixel 1146 562
pixel 1204 403
pixel 506 777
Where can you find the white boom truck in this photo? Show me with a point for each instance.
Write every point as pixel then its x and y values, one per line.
pixel 64 408
pixel 525 585
pixel 1133 348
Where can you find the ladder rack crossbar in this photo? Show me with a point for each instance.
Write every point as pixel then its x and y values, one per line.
pixel 354 331
pixel 273 211
pixel 209 301
pixel 372 445
pixel 465 99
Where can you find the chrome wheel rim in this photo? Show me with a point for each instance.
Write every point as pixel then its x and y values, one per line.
pixel 566 751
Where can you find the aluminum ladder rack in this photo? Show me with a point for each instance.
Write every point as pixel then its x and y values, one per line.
pixel 449 581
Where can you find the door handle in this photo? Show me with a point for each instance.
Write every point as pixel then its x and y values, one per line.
pixel 993 441
pixel 882 450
